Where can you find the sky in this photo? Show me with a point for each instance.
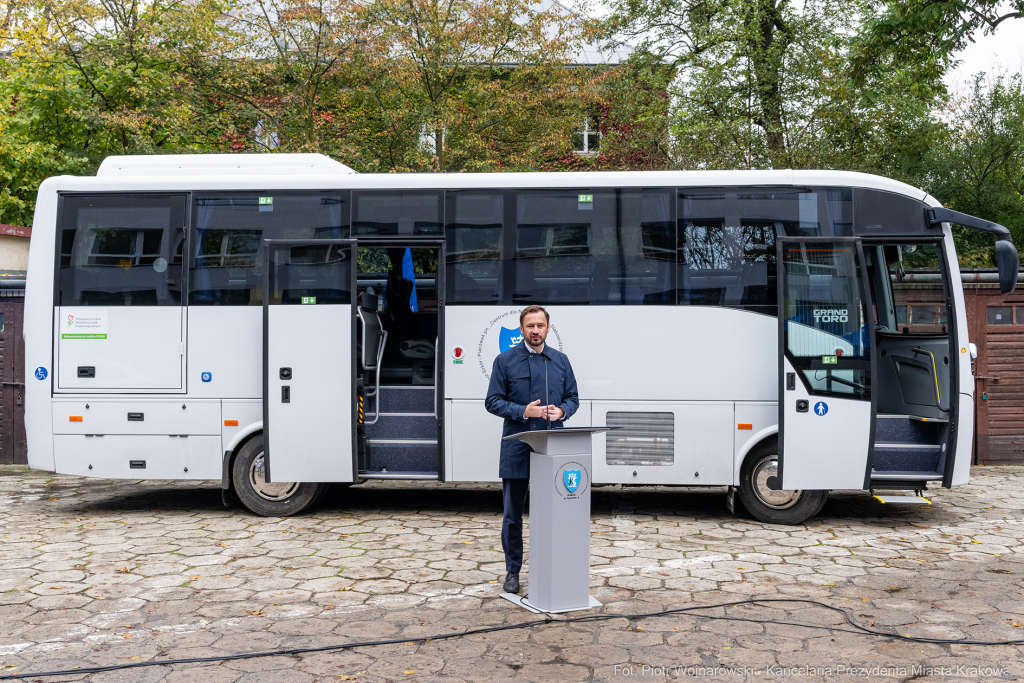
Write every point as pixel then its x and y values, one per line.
pixel 1002 51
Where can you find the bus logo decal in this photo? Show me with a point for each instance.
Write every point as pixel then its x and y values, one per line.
pixel 495 339
pixel 831 315
pixel 509 339
pixel 820 408
pixel 458 355
pixel 40 373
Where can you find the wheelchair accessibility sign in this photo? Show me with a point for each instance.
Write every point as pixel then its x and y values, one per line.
pixel 820 408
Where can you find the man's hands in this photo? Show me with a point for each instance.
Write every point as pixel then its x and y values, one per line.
pixel 537 410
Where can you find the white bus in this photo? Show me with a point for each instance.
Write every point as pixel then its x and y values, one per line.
pixel 280 323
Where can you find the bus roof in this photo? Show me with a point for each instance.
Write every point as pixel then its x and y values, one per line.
pixel 227 172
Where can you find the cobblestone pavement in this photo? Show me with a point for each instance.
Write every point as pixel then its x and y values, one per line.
pixel 96 572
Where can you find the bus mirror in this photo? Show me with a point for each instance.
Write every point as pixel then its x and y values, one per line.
pixel 1008 263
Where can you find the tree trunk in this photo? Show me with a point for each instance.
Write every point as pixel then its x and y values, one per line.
pixel 768 38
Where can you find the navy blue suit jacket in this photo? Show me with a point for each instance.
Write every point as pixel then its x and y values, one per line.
pixel 517 379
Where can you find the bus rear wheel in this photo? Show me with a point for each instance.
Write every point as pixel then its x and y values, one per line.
pixel 765 503
pixel 276 499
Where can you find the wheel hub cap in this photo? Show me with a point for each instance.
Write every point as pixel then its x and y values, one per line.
pixel 768 468
pixel 276 491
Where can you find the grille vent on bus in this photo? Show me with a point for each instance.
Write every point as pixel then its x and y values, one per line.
pixel 645 438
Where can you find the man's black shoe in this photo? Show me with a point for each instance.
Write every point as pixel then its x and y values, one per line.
pixel 511 583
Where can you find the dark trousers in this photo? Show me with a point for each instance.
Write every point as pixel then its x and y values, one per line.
pixel 514 494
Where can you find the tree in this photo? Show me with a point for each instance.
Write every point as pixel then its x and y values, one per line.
pixel 95 78
pixel 926 32
pixel 466 84
pixel 296 57
pixel 977 165
pixel 764 83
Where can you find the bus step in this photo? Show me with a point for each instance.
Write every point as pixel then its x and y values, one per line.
pixel 904 429
pixel 901 457
pixel 402 455
pixel 403 426
pixel 903 500
pixel 403 399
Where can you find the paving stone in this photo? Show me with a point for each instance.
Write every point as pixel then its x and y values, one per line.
pixel 133 568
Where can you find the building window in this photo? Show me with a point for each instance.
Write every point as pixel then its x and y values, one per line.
pixel 587 138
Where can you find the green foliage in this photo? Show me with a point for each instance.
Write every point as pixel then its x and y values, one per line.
pixel 923 32
pixel 765 84
pixel 24 164
pixel 977 164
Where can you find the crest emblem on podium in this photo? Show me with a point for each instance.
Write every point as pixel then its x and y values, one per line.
pixel 572 480
pixel 508 339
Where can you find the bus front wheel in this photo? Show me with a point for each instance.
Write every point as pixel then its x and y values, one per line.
pixel 277 499
pixel 765 503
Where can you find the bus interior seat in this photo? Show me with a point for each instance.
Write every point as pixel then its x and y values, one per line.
pixel 421 353
pixel 372 337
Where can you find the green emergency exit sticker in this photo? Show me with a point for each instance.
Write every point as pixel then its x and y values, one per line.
pixel 266 200
pixel 309 299
pixel 586 199
pixel 830 360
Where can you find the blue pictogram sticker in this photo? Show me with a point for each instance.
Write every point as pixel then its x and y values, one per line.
pixel 508 339
pixel 572 480
pixel 207 376
pixel 40 373
pixel 820 408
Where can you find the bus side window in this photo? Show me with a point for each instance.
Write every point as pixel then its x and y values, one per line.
pixel 598 247
pixel 473 233
pixel 225 253
pixel 120 250
pixel 405 213
pixel 920 304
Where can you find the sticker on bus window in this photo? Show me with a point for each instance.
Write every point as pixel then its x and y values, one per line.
pixel 830 360
pixel 266 203
pixel 309 299
pixel 84 323
pixel 585 202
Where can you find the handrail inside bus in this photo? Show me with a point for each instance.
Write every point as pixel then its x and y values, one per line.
pixel 376 380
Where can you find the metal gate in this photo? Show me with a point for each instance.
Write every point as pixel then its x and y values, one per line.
pixel 997 327
pixel 12 381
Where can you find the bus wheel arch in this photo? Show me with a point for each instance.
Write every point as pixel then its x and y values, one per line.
pixel 767 504
pixel 279 499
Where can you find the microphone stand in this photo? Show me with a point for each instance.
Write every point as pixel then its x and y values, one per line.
pixel 547 396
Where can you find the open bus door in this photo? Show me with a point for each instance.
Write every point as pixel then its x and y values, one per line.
pixel 308 368
pixel 826 364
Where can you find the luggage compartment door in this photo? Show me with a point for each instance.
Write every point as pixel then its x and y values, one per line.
pixel 119 318
pixel 308 361
pixel 826 340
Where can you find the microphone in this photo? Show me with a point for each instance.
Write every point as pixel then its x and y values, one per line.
pixel 547 396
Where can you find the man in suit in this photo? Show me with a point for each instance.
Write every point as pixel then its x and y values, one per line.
pixel 517 394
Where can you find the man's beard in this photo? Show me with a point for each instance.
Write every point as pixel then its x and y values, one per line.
pixel 537 340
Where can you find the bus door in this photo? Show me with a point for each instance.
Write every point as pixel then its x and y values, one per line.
pixel 308 376
pixel 826 338
pixel 400 339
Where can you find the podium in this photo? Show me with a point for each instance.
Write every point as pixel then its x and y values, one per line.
pixel 559 535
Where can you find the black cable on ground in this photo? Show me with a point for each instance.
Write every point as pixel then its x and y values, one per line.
pixel 857 629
